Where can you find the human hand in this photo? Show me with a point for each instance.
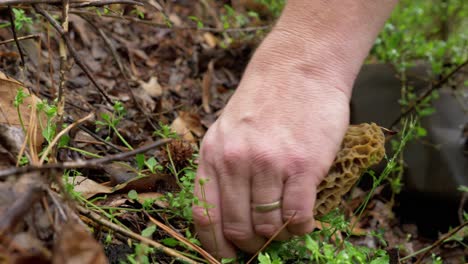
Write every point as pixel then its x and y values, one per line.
pixel 275 140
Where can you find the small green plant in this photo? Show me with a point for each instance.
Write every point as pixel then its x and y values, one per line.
pixel 274 6
pixel 111 121
pixel 49 128
pixel 141 254
pixel 199 22
pixel 182 201
pixel 165 131
pixel 18 101
pixel 21 20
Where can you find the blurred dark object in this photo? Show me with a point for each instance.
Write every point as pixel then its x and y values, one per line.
pixel 435 165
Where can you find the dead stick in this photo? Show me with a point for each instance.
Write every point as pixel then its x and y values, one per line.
pixel 120 66
pixel 19 39
pixel 440 241
pixel 160 25
pixel 271 239
pixel 83 163
pixel 60 134
pixel 72 51
pixel 169 251
pixel 428 92
pixel 73 3
pixel 64 69
pixel 106 2
pixel 15 37
pixel 184 240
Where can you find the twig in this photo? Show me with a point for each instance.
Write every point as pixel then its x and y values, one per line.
pixel 59 135
pixel 463 200
pixel 74 3
pixel 428 92
pixel 169 251
pixel 19 38
pixel 92 134
pixel 64 69
pixel 121 68
pixel 15 37
pixel 72 50
pixel 440 241
pixel 165 26
pixel 271 239
pixel 184 240
pixel 106 2
pixel 82 163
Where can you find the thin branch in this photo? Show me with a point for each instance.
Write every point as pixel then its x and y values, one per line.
pixel 72 51
pixel 74 3
pixel 271 239
pixel 165 26
pixel 120 66
pixel 82 163
pixel 105 2
pixel 19 39
pixel 440 241
pixel 59 135
pixel 429 91
pixel 169 251
pixel 15 37
pixel 64 69
pixel 183 240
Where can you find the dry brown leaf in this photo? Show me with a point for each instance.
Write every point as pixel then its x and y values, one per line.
pixel 75 245
pixel 8 112
pixel 144 100
pixel 210 39
pixel 180 127
pixel 152 87
pixel 153 195
pixel 88 188
pixel 193 123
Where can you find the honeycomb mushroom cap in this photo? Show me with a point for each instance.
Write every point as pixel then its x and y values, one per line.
pixel 363 146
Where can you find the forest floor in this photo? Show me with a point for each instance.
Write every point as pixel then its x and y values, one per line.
pixel 146 82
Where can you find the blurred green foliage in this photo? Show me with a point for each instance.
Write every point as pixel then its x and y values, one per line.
pixel 433 31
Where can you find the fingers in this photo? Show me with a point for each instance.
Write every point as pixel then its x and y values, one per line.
pixel 235 188
pixel 268 188
pixel 207 216
pixel 298 202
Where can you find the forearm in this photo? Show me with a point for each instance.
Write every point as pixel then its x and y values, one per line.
pixel 328 37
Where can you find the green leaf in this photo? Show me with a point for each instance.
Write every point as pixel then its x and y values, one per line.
pixel 140 159
pixel 132 194
pixel 170 242
pixel 427 111
pixel 463 188
pixel 381 260
pixel 264 258
pixel 148 232
pixel 151 163
pixel 421 131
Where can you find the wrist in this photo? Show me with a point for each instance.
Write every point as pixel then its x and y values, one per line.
pixel 294 56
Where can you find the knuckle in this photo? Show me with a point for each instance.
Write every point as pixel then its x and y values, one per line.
pixel 296 164
pixel 263 156
pixel 236 232
pixel 202 219
pixel 232 154
pixel 266 230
